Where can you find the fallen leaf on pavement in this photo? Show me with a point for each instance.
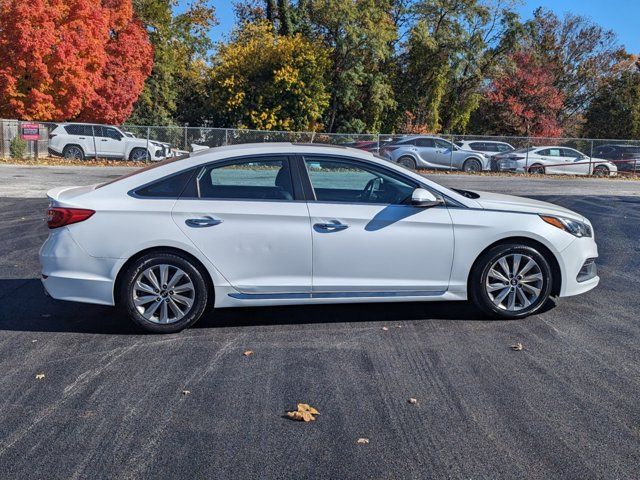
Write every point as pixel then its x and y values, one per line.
pixel 186 392
pixel 248 353
pixel 304 413
pixel 413 400
pixel 517 347
pixel 363 441
pixel 385 328
pixel 39 376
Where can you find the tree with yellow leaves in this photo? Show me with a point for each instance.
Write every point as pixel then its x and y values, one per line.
pixel 267 81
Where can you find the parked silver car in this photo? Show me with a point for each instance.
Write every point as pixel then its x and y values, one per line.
pixel 554 159
pixel 421 151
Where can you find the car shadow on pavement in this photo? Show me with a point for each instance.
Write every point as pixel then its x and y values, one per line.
pixel 26 308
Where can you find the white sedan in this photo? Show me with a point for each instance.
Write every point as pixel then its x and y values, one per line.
pixel 284 224
pixel 559 160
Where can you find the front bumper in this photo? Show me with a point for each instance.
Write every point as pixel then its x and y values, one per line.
pixel 576 278
pixel 69 273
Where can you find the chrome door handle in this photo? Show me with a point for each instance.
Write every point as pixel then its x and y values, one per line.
pixel 331 227
pixel 202 222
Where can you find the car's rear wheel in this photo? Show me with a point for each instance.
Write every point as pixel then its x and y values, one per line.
pixel 408 162
pixel 164 292
pixel 472 165
pixel 73 152
pixel 139 155
pixel 510 281
pixel 536 169
pixel 601 171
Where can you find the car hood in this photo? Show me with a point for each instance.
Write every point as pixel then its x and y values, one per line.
pixel 511 203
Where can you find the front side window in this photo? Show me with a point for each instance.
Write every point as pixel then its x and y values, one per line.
pixel 259 179
pixel 338 180
pixel 442 144
pixel 111 132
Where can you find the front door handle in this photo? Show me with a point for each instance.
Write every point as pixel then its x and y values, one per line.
pixel 331 227
pixel 202 222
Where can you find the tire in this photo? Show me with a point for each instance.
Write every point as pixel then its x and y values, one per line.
pixel 537 169
pixel 140 292
pixel 73 152
pixel 139 155
pixel 472 165
pixel 601 171
pixel 408 162
pixel 486 288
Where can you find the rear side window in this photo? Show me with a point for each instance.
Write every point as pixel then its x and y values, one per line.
pixel 425 142
pixel 78 130
pixel 170 187
pixel 263 179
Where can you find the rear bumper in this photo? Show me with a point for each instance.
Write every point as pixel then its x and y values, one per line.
pixel 69 273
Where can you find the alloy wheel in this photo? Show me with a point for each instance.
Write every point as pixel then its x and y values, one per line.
pixel 514 282
pixel 163 294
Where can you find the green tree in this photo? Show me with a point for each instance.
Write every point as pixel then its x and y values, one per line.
pixel 359 35
pixel 453 47
pixel 615 109
pixel 266 81
pixel 180 42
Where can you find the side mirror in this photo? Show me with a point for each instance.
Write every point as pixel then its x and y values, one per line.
pixel 424 198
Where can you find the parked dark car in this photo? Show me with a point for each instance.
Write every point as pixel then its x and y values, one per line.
pixel 626 157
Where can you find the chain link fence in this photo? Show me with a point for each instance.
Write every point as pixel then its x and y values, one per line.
pixel 128 142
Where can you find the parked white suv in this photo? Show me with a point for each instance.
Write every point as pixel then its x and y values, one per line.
pixel 81 140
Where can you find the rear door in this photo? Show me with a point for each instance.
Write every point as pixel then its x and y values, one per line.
pixel 249 218
pixel 367 238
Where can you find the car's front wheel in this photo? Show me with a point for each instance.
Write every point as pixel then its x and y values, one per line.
pixel 601 171
pixel 164 292
pixel 510 281
pixel 139 155
pixel 472 165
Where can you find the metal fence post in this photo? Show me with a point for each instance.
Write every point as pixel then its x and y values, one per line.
pixel 451 154
pixel 186 126
pixel 591 159
pixel 526 161
pixel 95 149
pixel 226 136
pixel 148 135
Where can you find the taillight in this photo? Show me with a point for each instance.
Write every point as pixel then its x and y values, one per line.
pixel 59 217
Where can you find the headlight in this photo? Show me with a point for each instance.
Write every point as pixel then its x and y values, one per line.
pixel 574 227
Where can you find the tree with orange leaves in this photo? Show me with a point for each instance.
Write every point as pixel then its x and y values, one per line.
pixel 71 60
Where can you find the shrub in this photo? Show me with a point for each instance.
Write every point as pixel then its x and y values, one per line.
pixel 18 147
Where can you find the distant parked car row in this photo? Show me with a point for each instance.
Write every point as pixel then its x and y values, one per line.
pixel 77 141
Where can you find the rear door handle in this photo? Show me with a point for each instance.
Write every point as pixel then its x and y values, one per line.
pixel 206 221
pixel 331 227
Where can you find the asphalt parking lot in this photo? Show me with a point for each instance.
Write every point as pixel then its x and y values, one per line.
pixel 111 404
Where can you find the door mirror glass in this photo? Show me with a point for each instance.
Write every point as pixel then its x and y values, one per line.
pixel 424 198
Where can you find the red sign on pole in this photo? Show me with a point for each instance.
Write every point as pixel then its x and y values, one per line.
pixel 30 131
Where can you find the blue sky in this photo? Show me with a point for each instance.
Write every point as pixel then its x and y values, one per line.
pixel 621 16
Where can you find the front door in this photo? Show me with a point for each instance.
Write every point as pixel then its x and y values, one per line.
pixel 245 217
pixel 367 238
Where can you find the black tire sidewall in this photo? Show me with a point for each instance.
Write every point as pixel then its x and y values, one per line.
pixel 407 162
pixel 138 149
pixel 478 294
pixel 471 161
pixel 149 260
pixel 601 171
pixel 67 148
pixel 536 169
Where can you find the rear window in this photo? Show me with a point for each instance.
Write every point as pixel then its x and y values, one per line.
pixel 145 169
pixel 168 187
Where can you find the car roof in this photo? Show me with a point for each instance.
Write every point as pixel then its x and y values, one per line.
pixel 62 124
